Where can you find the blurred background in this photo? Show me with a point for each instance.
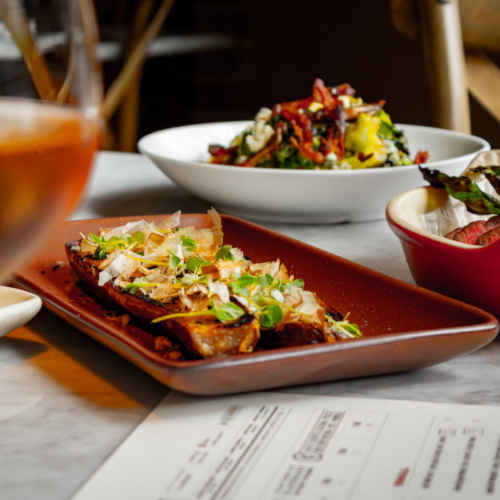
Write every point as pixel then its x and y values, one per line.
pixel 218 60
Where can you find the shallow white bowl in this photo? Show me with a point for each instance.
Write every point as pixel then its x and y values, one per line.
pixel 299 196
pixel 17 307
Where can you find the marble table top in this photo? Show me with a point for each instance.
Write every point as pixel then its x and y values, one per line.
pixel 67 402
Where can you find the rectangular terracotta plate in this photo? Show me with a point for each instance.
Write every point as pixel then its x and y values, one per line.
pixel 405 327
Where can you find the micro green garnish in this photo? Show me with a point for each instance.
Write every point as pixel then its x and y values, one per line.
pixel 188 243
pixel 269 308
pixel 100 253
pixel 194 264
pixel 138 283
pixel 124 241
pixel 241 283
pixel 349 329
pixel 270 315
pixel 224 253
pixel 225 313
pixel 174 260
pixel 191 279
pixel 299 283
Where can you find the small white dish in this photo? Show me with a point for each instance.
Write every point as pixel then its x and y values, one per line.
pixel 17 307
pixel 299 196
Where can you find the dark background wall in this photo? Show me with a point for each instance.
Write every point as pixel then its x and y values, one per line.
pixel 277 49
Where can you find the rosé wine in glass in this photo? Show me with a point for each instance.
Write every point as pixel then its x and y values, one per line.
pixel 49 119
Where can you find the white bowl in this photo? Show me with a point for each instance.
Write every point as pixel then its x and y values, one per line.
pixel 17 307
pixel 299 196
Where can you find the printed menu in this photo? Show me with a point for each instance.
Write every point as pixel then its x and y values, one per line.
pixel 281 446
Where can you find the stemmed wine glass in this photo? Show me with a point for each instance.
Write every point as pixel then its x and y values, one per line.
pixel 50 96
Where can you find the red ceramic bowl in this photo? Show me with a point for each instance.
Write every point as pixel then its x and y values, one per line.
pixel 465 272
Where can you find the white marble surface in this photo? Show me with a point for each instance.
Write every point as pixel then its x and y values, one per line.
pixel 66 402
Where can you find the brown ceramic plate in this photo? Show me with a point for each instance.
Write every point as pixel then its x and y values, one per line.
pixel 405 327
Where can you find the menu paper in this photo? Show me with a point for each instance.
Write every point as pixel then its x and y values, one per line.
pixel 280 446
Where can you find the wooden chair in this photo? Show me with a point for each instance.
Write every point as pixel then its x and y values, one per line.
pixel 122 95
pixel 456 36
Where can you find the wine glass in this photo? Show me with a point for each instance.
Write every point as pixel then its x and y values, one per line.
pixel 50 96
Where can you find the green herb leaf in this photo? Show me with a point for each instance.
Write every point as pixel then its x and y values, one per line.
pixel 224 253
pixel 224 313
pixel 188 243
pixel 139 237
pixel 189 279
pixel 100 253
pixel 241 284
pixel 116 242
pixel 247 280
pixel 270 315
pixel 258 297
pixel 96 239
pixel 136 284
pixel 347 329
pixel 266 280
pixel 174 260
pixel 194 263
pixel 296 283
pixel 227 312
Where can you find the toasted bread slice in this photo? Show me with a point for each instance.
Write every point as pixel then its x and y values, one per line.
pixel 201 293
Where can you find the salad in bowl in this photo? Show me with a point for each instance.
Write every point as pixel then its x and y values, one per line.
pixel 330 130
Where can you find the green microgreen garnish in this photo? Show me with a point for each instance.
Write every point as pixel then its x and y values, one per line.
pixel 174 260
pixel 188 243
pixel 138 283
pixel 224 253
pixel 270 315
pixel 194 264
pixel 124 241
pixel 299 283
pixel 225 313
pixel 241 285
pixel 345 327
pixel 191 278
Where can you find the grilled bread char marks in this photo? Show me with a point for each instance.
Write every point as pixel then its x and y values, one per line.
pixel 203 293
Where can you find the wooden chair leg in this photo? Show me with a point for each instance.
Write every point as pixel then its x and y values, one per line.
pixel 117 90
pixel 128 114
pixel 483 77
pixel 445 63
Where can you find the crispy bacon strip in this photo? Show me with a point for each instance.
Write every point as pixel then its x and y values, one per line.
pixel 307 150
pixel 323 94
pixel 297 114
pixel 421 157
pixel 367 109
pixel 221 155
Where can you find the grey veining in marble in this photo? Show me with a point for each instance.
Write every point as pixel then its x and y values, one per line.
pixel 67 402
